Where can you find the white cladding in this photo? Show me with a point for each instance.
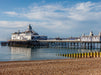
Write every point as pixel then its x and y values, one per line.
pixel 91 37
pixel 27 35
pixel 21 36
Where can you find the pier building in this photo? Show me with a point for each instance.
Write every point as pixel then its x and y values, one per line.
pixel 29 34
pixel 91 37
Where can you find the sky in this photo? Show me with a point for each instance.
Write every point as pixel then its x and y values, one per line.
pixel 53 18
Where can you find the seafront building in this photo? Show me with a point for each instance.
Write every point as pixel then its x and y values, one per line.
pixel 29 34
pixel 91 37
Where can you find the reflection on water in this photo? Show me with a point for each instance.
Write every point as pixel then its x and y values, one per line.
pixel 20 53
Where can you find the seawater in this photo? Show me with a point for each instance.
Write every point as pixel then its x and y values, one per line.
pixel 21 53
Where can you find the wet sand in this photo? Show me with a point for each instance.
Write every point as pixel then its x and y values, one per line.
pixel 82 66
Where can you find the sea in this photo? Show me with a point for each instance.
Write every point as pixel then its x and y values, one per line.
pixel 8 53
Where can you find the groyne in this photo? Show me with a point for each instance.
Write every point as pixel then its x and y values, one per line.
pixel 82 55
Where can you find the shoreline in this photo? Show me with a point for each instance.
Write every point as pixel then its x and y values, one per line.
pixel 81 66
pixel 50 60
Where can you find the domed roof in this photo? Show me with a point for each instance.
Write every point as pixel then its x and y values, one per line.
pixel 32 31
pixel 91 33
pixel 29 28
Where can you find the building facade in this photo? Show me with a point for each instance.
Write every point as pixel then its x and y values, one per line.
pixel 29 34
pixel 91 37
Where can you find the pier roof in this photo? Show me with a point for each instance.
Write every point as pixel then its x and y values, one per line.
pixel 30 30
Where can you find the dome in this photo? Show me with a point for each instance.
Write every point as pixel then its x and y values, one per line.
pixel 91 33
pixel 29 28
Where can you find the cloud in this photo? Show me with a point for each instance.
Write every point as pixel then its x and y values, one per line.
pixel 59 19
pixel 13 24
pixel 79 12
pixel 11 13
pixel 85 12
pixel 58 12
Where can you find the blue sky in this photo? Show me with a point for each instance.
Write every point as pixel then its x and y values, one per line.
pixel 54 18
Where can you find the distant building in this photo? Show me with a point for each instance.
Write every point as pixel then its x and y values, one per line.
pixel 29 34
pixel 58 38
pixel 91 37
pixel 74 38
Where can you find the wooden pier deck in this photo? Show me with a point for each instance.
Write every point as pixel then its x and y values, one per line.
pixel 71 41
pixel 59 41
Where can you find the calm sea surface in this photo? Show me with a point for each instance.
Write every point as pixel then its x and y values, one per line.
pixel 22 53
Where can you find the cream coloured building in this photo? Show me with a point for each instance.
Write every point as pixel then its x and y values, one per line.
pixel 91 37
pixel 29 34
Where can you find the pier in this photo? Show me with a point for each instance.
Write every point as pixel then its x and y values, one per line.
pixel 30 38
pixel 76 44
pixel 73 44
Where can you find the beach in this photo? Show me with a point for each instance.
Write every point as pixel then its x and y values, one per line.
pixel 82 66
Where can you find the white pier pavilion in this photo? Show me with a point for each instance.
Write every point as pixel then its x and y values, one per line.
pixel 91 37
pixel 29 34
